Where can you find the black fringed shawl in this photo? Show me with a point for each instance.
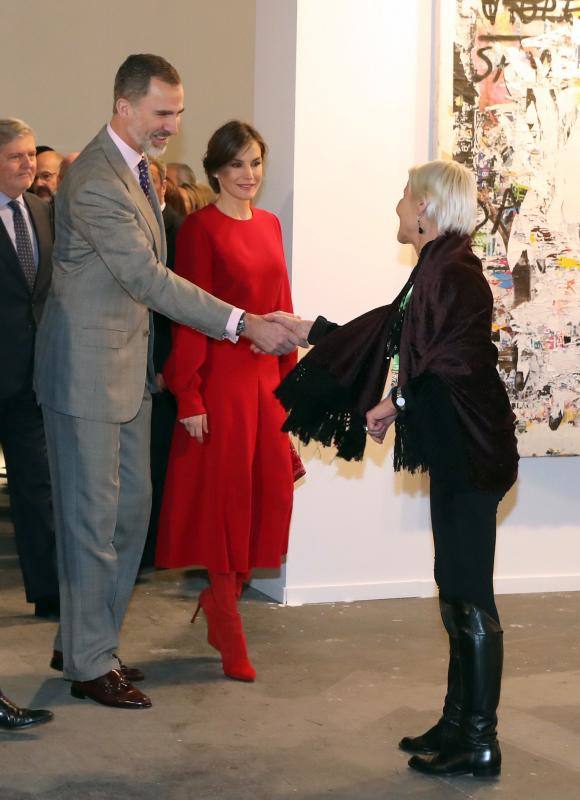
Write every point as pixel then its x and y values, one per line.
pixel 458 424
pixel 330 390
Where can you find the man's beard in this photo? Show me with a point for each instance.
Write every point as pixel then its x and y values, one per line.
pixel 44 192
pixel 151 149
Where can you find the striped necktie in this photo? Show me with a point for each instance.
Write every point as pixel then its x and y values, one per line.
pixel 23 244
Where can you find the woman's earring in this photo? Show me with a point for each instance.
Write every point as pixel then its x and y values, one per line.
pixel 421 229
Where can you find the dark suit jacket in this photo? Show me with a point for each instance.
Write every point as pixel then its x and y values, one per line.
pixel 162 326
pixel 20 310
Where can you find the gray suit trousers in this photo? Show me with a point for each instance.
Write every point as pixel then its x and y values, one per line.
pixel 102 498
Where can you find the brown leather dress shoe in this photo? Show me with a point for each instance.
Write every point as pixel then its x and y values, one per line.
pixel 11 716
pixel 112 690
pixel 132 674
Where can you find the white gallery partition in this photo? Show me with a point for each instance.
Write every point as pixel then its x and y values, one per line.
pixel 343 94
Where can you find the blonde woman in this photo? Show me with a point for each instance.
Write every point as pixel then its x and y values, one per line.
pixel 453 419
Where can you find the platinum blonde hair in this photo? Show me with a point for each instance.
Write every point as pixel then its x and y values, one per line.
pixel 450 192
pixel 13 128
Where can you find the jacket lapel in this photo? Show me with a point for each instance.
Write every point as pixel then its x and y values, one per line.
pixel 162 251
pixel 41 225
pixel 123 172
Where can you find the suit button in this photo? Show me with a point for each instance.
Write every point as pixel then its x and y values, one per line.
pixel 145 333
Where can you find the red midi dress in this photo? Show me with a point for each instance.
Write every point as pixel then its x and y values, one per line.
pixel 227 502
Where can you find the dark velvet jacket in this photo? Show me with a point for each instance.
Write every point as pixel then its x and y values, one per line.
pixel 458 422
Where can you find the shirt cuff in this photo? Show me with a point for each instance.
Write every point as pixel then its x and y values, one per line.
pixel 232 324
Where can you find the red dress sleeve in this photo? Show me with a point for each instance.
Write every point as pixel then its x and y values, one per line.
pixel 181 372
pixel 284 303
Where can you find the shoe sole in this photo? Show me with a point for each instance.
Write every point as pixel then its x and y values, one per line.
pixel 240 678
pixel 82 696
pixel 485 774
pixel 27 724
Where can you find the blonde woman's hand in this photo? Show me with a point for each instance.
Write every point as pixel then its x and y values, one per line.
pixel 196 426
pixel 380 418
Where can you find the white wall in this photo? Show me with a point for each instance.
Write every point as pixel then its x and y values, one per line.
pixel 363 85
pixel 274 106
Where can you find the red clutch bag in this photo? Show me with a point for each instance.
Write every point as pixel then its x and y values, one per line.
pixel 298 468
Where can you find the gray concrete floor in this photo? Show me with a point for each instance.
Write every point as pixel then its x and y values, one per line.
pixel 338 685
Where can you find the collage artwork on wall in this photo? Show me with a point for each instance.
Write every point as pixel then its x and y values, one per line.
pixel 509 108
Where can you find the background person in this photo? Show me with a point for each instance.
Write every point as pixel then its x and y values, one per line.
pixel 67 160
pixel 188 197
pixel 179 173
pixel 25 268
pixel 25 275
pixel 229 487
pixel 205 195
pixel 45 182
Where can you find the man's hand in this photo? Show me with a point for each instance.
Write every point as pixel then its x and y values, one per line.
pixel 269 336
pixel 196 426
pixel 380 418
pixel 301 327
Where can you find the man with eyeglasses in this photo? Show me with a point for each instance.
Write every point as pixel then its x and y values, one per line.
pixel 45 181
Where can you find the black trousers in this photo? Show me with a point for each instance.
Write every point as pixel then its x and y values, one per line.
pixel 464 527
pixel 24 446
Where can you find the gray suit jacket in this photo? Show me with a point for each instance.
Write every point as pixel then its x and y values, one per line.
pixel 108 271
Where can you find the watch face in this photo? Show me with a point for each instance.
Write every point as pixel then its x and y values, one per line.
pixel 400 402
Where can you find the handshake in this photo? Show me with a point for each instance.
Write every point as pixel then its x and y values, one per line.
pixel 276 333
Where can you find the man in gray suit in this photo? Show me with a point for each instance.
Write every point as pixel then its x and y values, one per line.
pixel 94 370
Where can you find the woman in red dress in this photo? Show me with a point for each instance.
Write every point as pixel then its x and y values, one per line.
pixel 228 494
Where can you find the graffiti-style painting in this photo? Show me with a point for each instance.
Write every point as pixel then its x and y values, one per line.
pixel 515 119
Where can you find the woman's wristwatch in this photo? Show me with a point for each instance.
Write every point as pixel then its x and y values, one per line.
pixel 398 399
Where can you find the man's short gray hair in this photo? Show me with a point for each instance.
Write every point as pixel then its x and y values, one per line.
pixel 450 192
pixel 13 128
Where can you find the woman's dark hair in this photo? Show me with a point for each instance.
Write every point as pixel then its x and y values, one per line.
pixel 225 144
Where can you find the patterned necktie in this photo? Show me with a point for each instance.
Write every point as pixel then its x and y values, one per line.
pixel 23 244
pixel 144 179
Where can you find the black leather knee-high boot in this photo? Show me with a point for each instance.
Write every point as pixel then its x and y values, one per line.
pixel 476 750
pixel 447 728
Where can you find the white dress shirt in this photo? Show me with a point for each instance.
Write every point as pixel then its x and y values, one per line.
pixel 132 159
pixel 7 217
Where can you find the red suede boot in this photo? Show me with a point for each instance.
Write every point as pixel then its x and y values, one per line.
pixel 230 634
pixel 207 604
pixel 241 579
